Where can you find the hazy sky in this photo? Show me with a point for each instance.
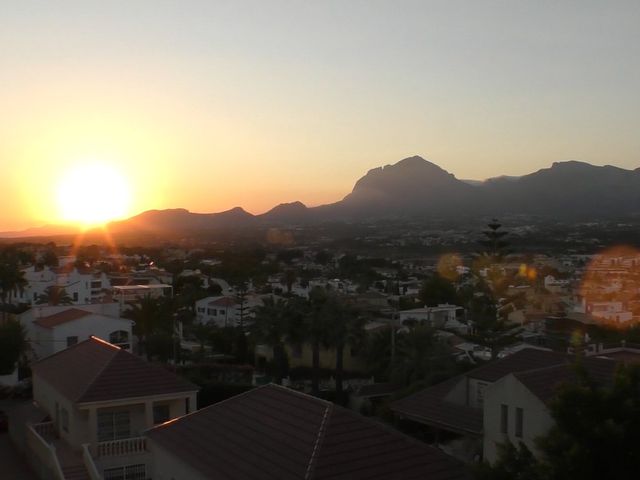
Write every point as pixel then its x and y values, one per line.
pixel 209 104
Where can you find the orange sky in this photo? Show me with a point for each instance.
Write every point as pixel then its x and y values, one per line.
pixel 211 105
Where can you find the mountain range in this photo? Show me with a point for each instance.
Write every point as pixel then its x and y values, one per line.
pixel 415 187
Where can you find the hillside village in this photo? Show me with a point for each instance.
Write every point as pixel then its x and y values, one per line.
pixel 161 362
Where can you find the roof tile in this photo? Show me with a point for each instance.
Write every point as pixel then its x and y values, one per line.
pixel 95 370
pixel 274 432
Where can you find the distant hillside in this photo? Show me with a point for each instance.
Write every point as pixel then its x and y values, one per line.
pixel 181 220
pixel 412 186
pixel 415 187
pixel 567 190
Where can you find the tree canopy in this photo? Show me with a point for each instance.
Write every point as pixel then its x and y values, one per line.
pixel 12 345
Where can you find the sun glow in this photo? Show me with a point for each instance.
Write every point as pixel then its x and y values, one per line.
pixel 93 193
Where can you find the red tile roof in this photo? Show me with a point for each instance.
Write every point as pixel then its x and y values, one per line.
pixel 59 318
pixel 223 302
pixel 525 359
pixel 274 432
pixel 429 406
pixel 544 382
pixel 95 370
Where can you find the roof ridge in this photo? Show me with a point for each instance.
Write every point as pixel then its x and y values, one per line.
pixel 316 447
pixel 179 419
pixel 75 345
pixel 69 309
pixel 115 348
pixel 540 369
pixel 299 393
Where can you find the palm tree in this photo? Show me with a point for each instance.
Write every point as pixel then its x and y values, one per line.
pixel 377 350
pixel 54 295
pixel 318 331
pixel 11 278
pixel 346 329
pixel 270 327
pixel 150 315
pixel 13 345
pixel 420 356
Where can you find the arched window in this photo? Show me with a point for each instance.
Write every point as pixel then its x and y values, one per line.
pixel 120 338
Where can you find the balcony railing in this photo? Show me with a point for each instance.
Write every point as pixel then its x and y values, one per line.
pixel 128 446
pixel 46 430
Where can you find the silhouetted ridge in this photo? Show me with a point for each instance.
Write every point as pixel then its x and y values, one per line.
pixel 415 187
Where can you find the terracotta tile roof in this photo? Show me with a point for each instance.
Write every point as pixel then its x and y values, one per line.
pixel 95 370
pixel 223 302
pixel 59 318
pixel 544 382
pixel 430 406
pixel 274 432
pixel 526 359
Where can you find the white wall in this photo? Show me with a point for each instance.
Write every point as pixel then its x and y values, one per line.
pixel 11 379
pixel 97 325
pixel 168 467
pixel 77 285
pixel 536 419
pixel 47 341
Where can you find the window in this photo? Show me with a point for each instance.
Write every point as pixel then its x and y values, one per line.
pixel 71 341
pixel 161 414
pixel 296 351
pixel 113 426
pixel 504 419
pixel 75 296
pixel 64 417
pixel 120 338
pixel 129 472
pixel 519 419
pixel 480 386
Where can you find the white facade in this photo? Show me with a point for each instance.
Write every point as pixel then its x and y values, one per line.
pixel 82 288
pixel 219 311
pixel 613 311
pixel 125 294
pixel 432 316
pixel 166 466
pixel 47 340
pixel 512 413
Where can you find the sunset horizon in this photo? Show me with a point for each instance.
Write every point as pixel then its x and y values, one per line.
pixel 212 105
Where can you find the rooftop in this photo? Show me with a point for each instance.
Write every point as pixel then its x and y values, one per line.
pixel 59 318
pixel 291 435
pixel 431 405
pixel 95 370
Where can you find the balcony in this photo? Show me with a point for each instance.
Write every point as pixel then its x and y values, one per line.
pixel 127 446
pixel 46 430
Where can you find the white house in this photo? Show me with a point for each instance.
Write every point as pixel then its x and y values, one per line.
pixel 432 316
pixel 458 405
pixel 51 329
pixel 610 311
pixel 126 294
pixel 220 311
pixel 100 399
pixel 82 286
pixel 516 407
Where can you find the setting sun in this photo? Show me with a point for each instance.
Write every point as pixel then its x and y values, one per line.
pixel 92 194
